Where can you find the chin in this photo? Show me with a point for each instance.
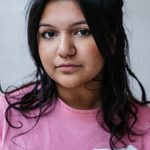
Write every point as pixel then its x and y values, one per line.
pixel 70 85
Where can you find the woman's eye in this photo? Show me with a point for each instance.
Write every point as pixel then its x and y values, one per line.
pixel 48 35
pixel 83 32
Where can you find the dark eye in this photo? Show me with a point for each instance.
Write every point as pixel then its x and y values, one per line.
pixel 83 32
pixel 48 35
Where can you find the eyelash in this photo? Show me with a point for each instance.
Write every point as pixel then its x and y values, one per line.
pixel 51 34
pixel 46 33
pixel 84 30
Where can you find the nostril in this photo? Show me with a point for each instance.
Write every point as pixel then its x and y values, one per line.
pixel 67 51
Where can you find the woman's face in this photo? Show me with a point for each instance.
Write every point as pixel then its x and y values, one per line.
pixel 66 47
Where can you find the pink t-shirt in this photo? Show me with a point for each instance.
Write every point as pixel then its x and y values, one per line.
pixel 65 128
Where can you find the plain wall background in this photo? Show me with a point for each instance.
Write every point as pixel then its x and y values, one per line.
pixel 16 64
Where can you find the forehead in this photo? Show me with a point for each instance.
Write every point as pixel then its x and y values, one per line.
pixel 62 10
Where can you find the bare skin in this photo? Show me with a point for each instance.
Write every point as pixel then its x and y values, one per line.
pixel 70 55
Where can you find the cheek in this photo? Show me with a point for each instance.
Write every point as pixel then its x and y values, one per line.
pixel 47 63
pixel 92 55
pixel 46 56
pixel 96 63
pixel 98 58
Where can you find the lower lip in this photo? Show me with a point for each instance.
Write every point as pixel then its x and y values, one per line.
pixel 69 69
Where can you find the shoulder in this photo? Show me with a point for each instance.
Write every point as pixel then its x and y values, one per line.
pixel 143 116
pixel 3 104
pixel 143 112
pixel 144 123
pixel 143 109
pixel 7 100
pixel 12 97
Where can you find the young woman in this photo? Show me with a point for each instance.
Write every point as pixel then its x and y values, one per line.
pixel 80 99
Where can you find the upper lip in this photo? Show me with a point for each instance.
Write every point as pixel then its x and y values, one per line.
pixel 68 65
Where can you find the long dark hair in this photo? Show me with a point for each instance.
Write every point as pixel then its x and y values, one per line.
pixel 105 20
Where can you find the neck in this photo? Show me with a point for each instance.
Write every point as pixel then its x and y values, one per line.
pixel 81 97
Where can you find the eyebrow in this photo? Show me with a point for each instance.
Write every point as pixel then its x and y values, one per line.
pixel 72 25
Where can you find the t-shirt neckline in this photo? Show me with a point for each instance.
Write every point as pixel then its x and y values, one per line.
pixel 75 111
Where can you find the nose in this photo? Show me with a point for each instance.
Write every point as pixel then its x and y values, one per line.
pixel 66 46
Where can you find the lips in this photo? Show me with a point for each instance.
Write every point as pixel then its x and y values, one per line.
pixel 68 67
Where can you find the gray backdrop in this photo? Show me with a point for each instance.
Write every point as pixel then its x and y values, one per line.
pixel 16 65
